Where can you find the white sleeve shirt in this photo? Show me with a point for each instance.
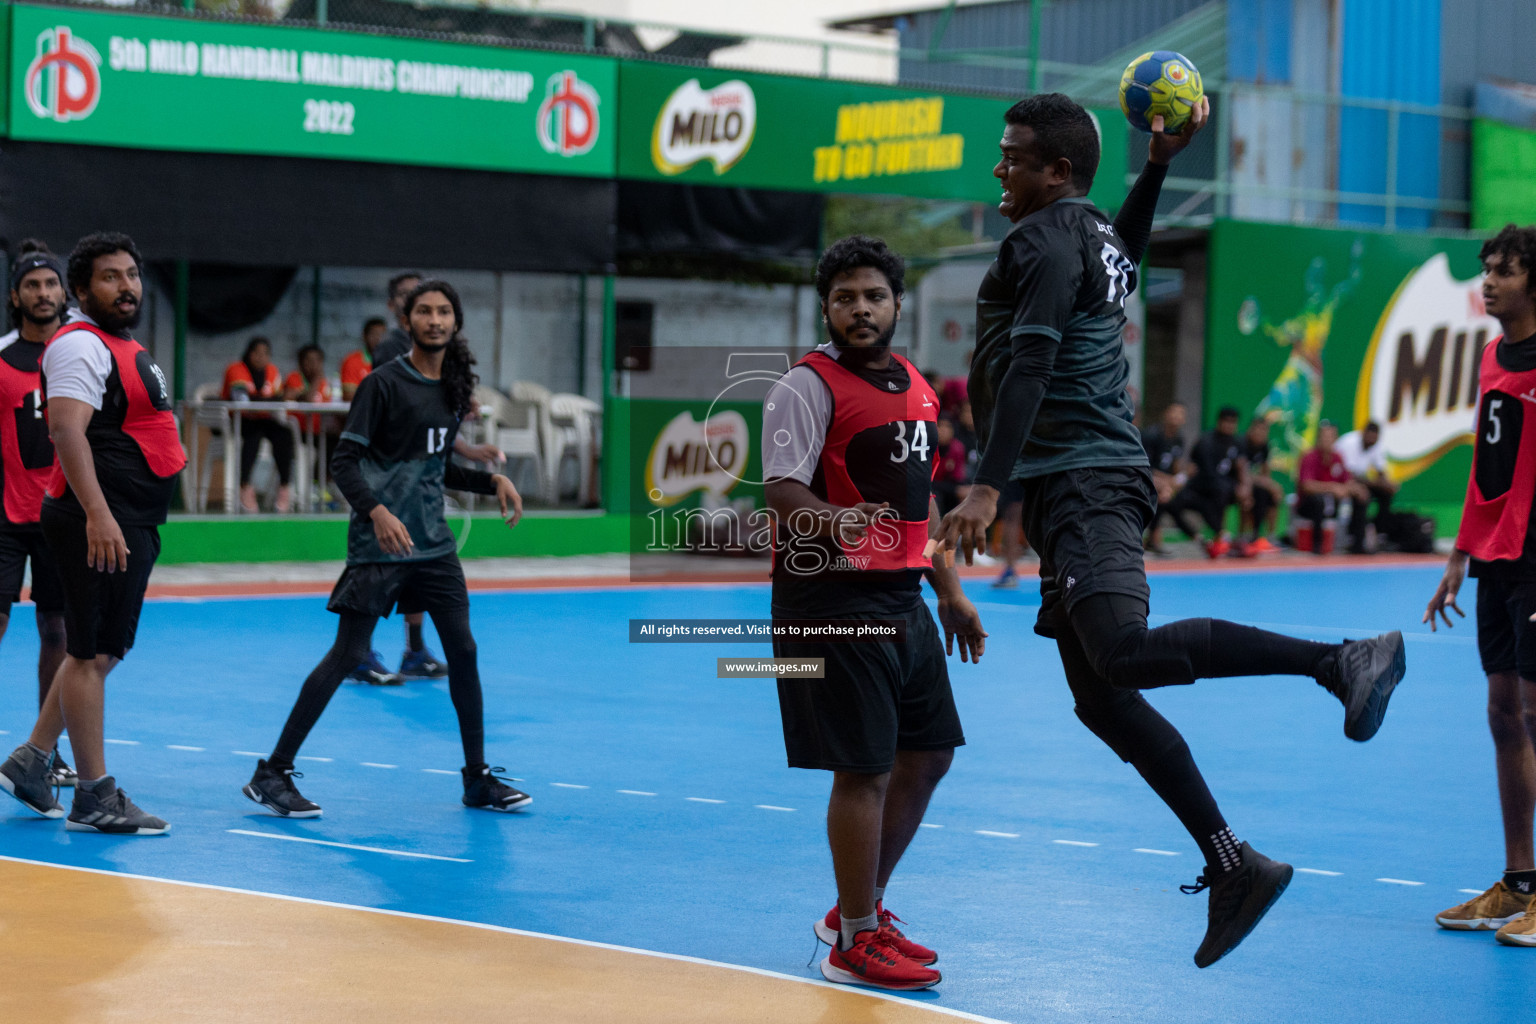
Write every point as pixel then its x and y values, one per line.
pixel 796 415
pixel 77 366
pixel 1359 460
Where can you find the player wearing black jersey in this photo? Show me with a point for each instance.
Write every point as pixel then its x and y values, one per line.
pixel 392 466
pixel 1049 386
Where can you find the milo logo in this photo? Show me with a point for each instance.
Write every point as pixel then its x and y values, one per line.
pixel 704 124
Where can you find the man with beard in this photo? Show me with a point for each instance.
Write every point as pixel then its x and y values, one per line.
pixel 1049 385
pixel 848 452
pixel 118 457
pixel 418 661
pixel 26 461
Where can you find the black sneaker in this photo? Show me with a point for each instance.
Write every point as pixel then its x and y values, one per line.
pixel 273 788
pixel 1239 900
pixel 1363 675
pixel 25 775
pixel 61 774
pixel 105 808
pixel 484 789
pixel 422 664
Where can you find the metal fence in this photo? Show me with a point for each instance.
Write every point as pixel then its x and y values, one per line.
pixel 1276 154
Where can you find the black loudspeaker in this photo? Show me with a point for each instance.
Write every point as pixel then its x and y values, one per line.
pixel 634 323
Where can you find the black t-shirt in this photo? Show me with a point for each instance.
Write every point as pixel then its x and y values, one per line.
pixel 1215 458
pixel 1163 452
pixel 1257 455
pixel 1061 275
pixel 1516 357
pixel 396 451
pixel 391 347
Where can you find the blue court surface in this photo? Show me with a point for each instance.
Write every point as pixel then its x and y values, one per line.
pixel 665 819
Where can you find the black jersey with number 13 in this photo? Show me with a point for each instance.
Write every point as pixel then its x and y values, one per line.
pixel 1062 273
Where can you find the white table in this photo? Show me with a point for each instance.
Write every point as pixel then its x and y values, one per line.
pixel 225 417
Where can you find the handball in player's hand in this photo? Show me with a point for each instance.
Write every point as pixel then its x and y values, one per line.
pixel 1160 84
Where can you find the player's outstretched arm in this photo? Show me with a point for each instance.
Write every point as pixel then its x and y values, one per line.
pixel 1445 593
pixel 957 614
pixel 1164 147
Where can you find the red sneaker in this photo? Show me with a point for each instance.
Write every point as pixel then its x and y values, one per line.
pixel 873 961
pixel 829 929
pixel 1218 548
pixel 1261 546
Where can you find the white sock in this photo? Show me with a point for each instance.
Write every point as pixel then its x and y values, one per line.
pixel 853 925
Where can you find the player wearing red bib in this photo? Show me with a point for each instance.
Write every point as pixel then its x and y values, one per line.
pixel 1497 545
pixel 38 307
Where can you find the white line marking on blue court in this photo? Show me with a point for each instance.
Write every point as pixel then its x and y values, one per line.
pixel 439 771
pixel 322 760
pixel 636 792
pixel 771 807
pixel 1000 835
pixel 1398 881
pixel 1320 871
pixel 246 753
pixel 1473 892
pixel 375 764
pixel 1072 842
pixel 569 785
pixel 703 800
pixel 926 825
pixel 123 743
pixel 346 846
pixel 178 746
pixel 1160 853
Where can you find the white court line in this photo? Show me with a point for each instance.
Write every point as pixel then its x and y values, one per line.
pixel 322 760
pixel 246 753
pixel 636 792
pixel 345 846
pixel 1000 835
pixel 1072 842
pixel 178 746
pixel 1320 871
pixel 1398 881
pixel 771 807
pixel 375 764
pixel 569 785
pixel 703 800
pixel 926 825
pixel 5 732
pixel 1472 892
pixel 439 771
pixel 586 943
pixel 1160 853
pixel 123 743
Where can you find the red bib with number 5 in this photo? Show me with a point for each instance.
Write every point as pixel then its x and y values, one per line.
pixel 1499 494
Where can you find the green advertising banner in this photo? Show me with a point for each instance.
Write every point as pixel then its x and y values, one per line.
pixel 1352 326
pixel 1503 175
pixel 723 127
pixel 185 84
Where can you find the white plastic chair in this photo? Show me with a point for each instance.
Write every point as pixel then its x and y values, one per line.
pixel 576 433
pixel 515 425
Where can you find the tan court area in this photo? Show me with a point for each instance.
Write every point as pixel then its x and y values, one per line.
pixel 93 949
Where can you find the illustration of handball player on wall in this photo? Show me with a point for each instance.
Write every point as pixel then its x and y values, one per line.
pixel 1294 404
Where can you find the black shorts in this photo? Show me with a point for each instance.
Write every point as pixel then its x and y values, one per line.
pixel 1011 494
pixel 101 609
pixel 1086 525
pixel 376 588
pixel 1506 636
pixel 16 546
pixel 875 699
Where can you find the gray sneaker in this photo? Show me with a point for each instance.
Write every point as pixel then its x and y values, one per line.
pixel 26 776
pixel 105 808
pixel 1363 675
pixel 62 776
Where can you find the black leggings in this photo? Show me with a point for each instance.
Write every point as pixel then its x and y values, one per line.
pixel 354 640
pixel 1110 656
pixel 252 430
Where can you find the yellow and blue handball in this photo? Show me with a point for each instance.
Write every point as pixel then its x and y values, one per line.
pixel 1160 82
